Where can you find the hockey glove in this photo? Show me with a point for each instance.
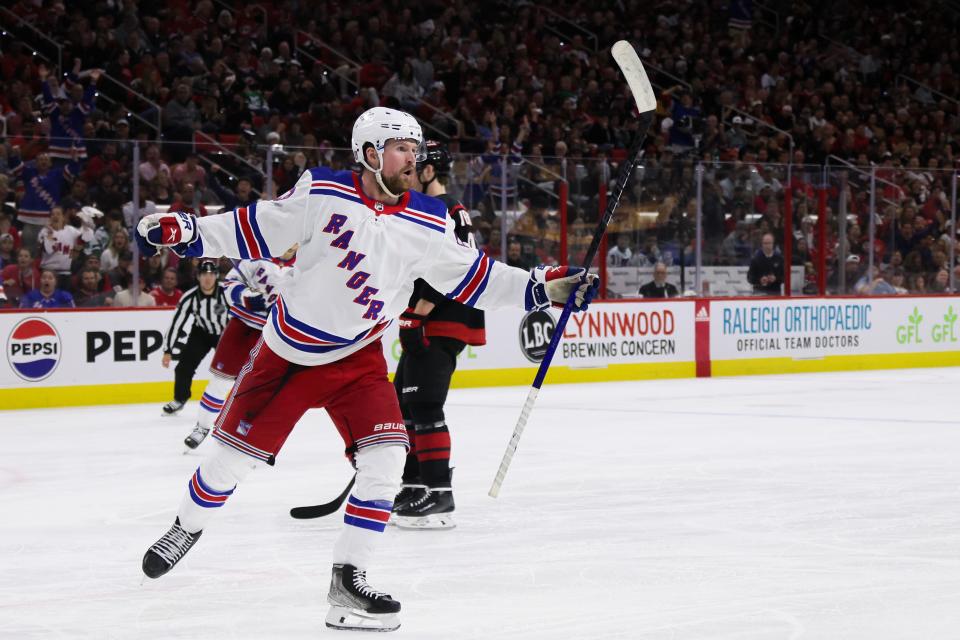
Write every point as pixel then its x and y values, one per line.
pixel 553 285
pixel 253 300
pixel 176 230
pixel 412 337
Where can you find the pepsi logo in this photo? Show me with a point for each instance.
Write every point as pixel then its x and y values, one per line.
pixel 33 349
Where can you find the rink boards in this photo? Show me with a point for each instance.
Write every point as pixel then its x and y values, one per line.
pixel 67 358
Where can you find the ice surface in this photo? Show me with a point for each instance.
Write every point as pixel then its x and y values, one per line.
pixel 812 506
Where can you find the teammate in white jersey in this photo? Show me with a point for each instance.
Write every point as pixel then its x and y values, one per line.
pixel 364 238
pixel 251 288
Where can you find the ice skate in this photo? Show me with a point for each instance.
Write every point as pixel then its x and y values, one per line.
pixel 196 436
pixel 434 510
pixel 168 550
pixel 172 408
pixel 408 493
pixel 356 606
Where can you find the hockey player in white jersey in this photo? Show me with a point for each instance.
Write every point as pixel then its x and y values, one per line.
pixel 251 288
pixel 364 238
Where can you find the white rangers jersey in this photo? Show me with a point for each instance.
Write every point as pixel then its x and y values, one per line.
pixel 265 277
pixel 357 262
pixel 57 245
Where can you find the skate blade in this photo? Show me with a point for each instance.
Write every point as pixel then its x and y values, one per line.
pixel 356 620
pixel 432 521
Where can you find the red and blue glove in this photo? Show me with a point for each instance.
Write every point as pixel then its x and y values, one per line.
pixel 253 300
pixel 174 229
pixel 552 286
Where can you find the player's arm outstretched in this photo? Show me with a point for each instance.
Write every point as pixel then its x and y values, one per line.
pixel 264 229
pixel 464 274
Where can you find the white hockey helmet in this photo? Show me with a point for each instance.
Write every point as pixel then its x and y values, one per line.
pixel 378 125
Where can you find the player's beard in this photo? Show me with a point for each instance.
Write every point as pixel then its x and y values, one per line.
pixel 399 183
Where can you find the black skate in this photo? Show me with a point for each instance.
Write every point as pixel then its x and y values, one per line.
pixel 168 550
pixel 357 606
pixel 408 493
pixel 196 436
pixel 434 510
pixel 172 408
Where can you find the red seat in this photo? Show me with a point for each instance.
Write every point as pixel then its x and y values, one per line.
pixel 229 140
pixel 202 143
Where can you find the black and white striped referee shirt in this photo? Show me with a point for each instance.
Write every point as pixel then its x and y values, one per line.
pixel 208 312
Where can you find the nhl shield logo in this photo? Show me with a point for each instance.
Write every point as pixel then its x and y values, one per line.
pixel 33 349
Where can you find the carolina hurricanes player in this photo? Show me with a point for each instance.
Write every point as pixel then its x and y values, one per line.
pixel 251 288
pixel 433 332
pixel 364 239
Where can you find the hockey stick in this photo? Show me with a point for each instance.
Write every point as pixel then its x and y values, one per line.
pixel 632 69
pixel 320 510
pixel 236 265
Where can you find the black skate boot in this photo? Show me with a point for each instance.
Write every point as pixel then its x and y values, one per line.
pixel 408 493
pixel 357 606
pixel 196 436
pixel 434 510
pixel 168 550
pixel 172 408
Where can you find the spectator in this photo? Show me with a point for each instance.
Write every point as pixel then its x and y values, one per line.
pixel 853 276
pixel 152 269
pixel 897 281
pixel 105 162
pixel 131 296
pixel 68 109
pixel 188 172
pixel 7 253
pixel 20 278
pixel 90 292
pixel 659 287
pixel 515 255
pixel 166 294
pixel 107 195
pixel 621 255
pixel 47 295
pixel 147 207
pixel 241 197
pixel 118 275
pixel 57 241
pixel 918 284
pixel 189 201
pixel 161 190
pixel 180 119
pixel 941 282
pixel 7 228
pixel 766 269
pixel 153 165
pixel 403 88
pixel 43 188
pixel 650 253
pixel 875 283
pixel 119 243
pixel 8 203
pixel 423 68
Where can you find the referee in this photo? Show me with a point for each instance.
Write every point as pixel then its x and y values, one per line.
pixel 206 305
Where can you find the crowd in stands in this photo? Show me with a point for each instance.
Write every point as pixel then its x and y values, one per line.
pixel 524 99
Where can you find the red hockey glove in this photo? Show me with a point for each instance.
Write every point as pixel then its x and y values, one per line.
pixel 412 338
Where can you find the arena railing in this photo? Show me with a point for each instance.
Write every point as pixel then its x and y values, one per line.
pixel 10 18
